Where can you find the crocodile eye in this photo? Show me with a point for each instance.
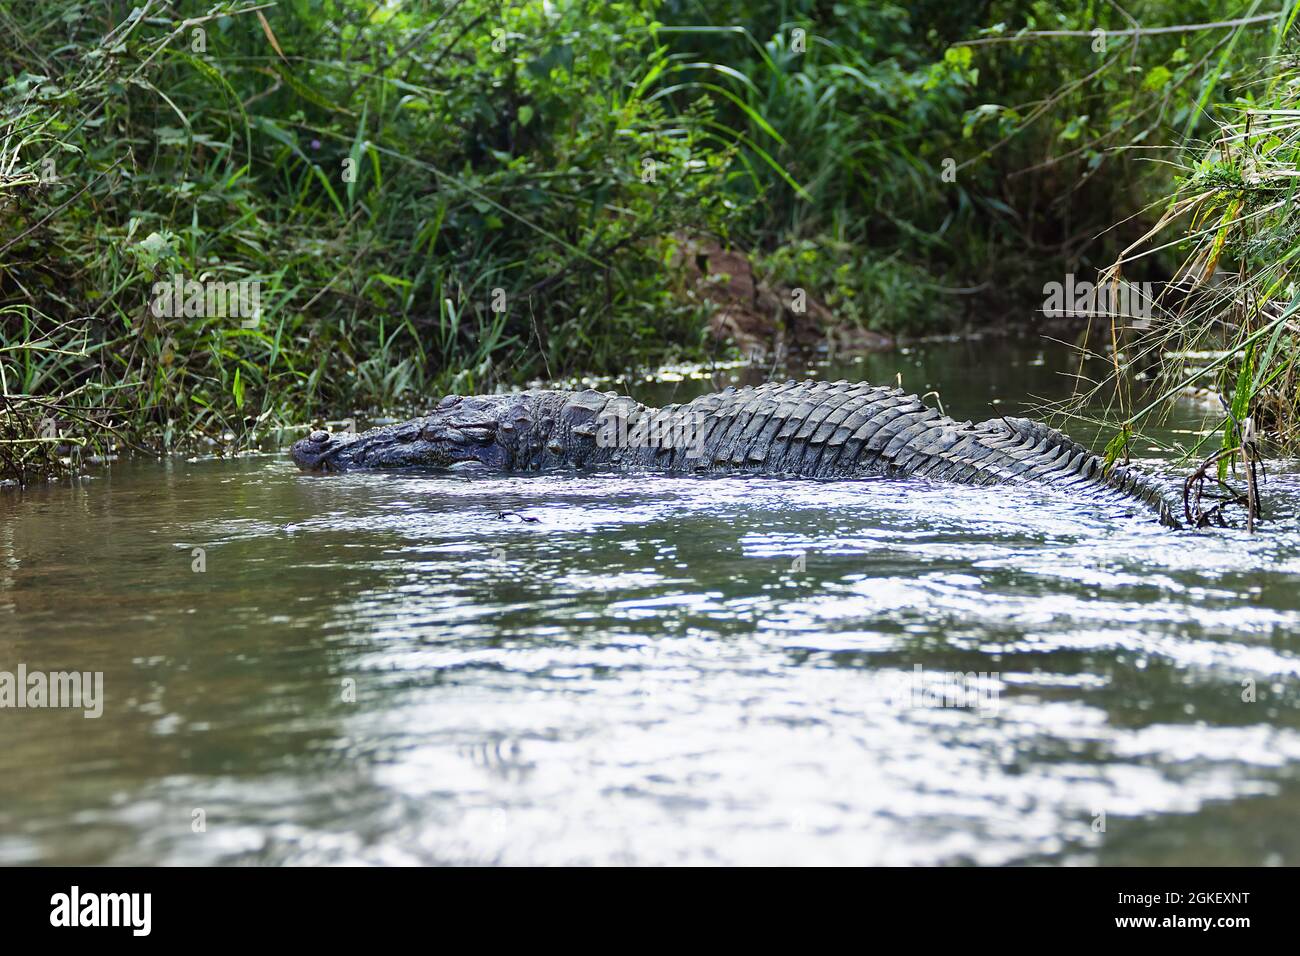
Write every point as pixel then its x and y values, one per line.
pixel 319 437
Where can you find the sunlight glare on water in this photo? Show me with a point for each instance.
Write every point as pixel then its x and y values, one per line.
pixel 652 670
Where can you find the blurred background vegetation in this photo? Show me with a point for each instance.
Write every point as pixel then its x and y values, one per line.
pixel 457 195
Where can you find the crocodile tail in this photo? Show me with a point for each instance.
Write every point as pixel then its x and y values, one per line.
pixel 1032 451
pixel 1138 484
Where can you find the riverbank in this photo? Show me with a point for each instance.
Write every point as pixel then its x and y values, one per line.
pixel 258 217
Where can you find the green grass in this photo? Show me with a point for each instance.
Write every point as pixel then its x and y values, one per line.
pixel 1230 319
pixel 463 197
pixel 447 217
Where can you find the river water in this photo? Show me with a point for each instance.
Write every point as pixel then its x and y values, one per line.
pixel 372 668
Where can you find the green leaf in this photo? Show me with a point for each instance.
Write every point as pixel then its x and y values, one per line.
pixel 1157 77
pixel 1241 399
pixel 556 56
pixel 958 56
pixel 1074 128
pixel 358 146
pixel 1116 446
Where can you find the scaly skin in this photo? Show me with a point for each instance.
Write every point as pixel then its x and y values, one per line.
pixel 808 429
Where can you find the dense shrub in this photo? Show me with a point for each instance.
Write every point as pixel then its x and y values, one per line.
pixel 456 196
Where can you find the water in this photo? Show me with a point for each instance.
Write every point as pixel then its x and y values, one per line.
pixel 652 670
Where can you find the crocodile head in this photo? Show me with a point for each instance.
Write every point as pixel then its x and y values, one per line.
pixel 460 432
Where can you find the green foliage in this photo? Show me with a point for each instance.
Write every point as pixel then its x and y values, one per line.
pixel 1228 321
pixel 425 202
pixel 458 196
pixel 1117 447
pixel 860 286
pixel 1037 133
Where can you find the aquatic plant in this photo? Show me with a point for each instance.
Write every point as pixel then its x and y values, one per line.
pixel 1227 318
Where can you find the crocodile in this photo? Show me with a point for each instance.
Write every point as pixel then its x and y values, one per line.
pixel 809 429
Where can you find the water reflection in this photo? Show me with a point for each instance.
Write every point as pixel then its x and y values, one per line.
pixel 381 669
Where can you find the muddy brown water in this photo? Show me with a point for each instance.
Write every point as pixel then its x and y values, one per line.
pixel 375 668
